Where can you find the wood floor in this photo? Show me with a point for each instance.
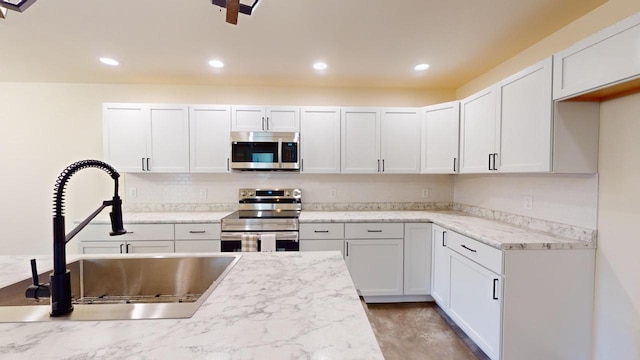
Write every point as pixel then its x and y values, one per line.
pixel 419 331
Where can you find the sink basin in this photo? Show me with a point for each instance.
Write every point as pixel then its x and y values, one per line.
pixel 125 288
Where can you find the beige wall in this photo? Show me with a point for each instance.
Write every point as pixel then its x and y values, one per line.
pixel 568 199
pixel 598 19
pixel 617 298
pixel 46 127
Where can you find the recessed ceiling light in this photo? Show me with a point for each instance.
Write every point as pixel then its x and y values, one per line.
pixel 109 61
pixel 320 66
pixel 216 64
pixel 421 67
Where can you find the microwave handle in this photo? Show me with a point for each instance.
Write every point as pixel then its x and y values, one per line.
pixel 279 153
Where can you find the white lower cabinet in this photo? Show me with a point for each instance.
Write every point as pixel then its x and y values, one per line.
pixel 322 237
pixel 440 266
pixel 197 246
pixel 197 238
pixel 520 304
pixel 475 303
pixel 376 266
pixel 126 247
pixel 417 259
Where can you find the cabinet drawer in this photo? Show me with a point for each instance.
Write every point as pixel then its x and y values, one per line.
pixel 197 246
pixel 485 255
pixel 100 232
pixel 374 231
pixel 321 231
pixel 197 231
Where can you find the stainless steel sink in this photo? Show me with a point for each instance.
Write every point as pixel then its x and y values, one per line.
pixel 125 288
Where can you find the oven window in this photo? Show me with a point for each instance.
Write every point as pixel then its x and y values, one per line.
pixel 281 245
pixel 256 152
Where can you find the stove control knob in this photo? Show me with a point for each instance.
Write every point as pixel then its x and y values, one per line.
pixel 297 193
pixel 243 194
pixel 252 194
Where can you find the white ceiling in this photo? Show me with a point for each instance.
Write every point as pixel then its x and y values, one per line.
pixel 365 42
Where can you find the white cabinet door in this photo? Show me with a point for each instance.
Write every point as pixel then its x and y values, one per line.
pixel 101 247
pixel 197 246
pixel 126 131
pixel 322 245
pixel 320 140
pixel 143 137
pixel 209 128
pixel 282 119
pixel 360 145
pixel 376 266
pixel 247 118
pixel 440 138
pixel 145 247
pixel 608 57
pixel 260 118
pixel 475 303
pixel 417 259
pixel 478 132
pixel 440 268
pixel 525 111
pixel 400 141
pixel 169 138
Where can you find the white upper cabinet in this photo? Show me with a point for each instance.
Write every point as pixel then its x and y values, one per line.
pixel 478 129
pixel 606 58
pixel 440 134
pixel 525 116
pixel 360 145
pixel 320 140
pixel 400 141
pixel 261 118
pixel 146 138
pixel 209 141
pixel 381 140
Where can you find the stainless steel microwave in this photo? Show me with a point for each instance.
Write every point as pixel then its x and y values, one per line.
pixel 263 150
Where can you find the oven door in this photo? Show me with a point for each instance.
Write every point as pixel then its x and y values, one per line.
pixel 285 240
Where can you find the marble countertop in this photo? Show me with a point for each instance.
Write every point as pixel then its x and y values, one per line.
pixel 491 232
pixel 294 305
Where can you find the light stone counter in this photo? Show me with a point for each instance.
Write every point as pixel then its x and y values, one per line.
pixel 493 233
pixel 300 305
pixel 179 217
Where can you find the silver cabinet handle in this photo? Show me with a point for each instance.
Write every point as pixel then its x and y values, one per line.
pixel 374 231
pixel 197 231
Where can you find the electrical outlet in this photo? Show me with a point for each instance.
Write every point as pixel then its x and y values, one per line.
pixel 203 193
pixel 425 193
pixel 528 202
pixel 133 192
pixel 333 193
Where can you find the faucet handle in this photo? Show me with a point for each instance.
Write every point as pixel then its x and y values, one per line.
pixel 37 290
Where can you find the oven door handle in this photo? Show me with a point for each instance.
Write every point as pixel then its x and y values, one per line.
pixel 237 236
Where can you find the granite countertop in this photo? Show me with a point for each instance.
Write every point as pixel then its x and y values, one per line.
pixel 294 305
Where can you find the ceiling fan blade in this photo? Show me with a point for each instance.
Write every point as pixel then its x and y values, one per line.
pixel 233 7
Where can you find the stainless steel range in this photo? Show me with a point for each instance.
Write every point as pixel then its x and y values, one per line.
pixel 264 211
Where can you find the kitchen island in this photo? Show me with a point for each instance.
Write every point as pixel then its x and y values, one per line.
pixel 293 305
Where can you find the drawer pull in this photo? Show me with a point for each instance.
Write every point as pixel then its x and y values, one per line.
pixel 197 231
pixel 470 249
pixel 374 231
pixel 121 245
pixel 320 231
pixel 495 283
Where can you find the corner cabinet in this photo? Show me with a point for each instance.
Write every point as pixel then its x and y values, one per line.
pixel 209 127
pixel 261 118
pixel 440 138
pixel 146 137
pixel 320 145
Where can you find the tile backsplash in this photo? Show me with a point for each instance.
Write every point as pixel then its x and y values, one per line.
pixel 195 188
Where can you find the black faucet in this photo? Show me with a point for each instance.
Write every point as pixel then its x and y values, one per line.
pixel 59 287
